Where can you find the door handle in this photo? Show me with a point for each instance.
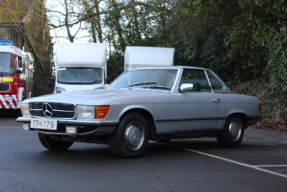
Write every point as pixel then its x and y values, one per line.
pixel 216 100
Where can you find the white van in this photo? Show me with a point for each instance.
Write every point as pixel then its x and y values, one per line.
pixel 136 57
pixel 80 66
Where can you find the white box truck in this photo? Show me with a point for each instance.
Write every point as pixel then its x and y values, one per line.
pixel 80 66
pixel 137 56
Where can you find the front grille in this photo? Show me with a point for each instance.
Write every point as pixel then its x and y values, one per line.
pixel 4 86
pixel 60 110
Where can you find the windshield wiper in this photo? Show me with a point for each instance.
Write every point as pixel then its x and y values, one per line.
pixel 96 81
pixel 159 87
pixel 139 83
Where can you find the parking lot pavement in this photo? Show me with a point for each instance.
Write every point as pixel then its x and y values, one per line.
pixel 262 150
pixel 259 164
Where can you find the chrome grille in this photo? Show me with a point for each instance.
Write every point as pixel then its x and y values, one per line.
pixel 4 86
pixel 60 110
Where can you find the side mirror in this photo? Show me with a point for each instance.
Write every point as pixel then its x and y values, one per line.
pixel 20 71
pixel 186 87
pixel 107 80
pixel 51 81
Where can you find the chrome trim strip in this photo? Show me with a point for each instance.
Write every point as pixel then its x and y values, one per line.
pixel 71 122
pixel 75 122
pixel 53 110
pixel 190 131
pixel 190 119
pixel 64 133
pixel 42 117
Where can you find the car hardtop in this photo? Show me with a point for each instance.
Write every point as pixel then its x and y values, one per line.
pixel 181 68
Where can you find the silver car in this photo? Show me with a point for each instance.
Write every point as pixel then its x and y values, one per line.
pixel 143 104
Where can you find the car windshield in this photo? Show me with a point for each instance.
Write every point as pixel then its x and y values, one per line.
pixel 162 79
pixel 6 64
pixel 80 75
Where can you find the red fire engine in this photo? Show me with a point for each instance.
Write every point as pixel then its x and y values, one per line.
pixel 16 75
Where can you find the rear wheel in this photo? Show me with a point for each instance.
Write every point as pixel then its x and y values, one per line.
pixel 52 144
pixel 232 132
pixel 130 138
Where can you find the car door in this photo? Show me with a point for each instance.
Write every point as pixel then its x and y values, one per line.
pixel 198 109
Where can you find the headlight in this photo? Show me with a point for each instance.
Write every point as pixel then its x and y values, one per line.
pixel 25 110
pixel 85 112
pixel 60 90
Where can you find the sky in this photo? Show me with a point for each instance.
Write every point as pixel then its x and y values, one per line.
pixel 59 35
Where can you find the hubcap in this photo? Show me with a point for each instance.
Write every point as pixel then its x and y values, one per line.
pixel 235 129
pixel 134 135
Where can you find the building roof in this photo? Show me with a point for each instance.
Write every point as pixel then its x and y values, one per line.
pixel 14 11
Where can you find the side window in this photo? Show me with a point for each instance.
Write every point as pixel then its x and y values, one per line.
pixel 215 84
pixel 197 78
pixel 12 63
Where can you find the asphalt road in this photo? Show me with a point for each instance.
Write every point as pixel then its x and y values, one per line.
pixel 260 164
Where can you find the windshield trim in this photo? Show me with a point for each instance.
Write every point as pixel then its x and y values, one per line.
pixel 172 88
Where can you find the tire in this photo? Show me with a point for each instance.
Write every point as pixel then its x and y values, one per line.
pixel 53 144
pixel 232 132
pixel 130 138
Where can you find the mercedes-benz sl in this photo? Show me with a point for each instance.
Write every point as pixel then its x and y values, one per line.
pixel 143 104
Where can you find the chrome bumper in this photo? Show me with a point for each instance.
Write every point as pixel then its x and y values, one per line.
pixel 99 127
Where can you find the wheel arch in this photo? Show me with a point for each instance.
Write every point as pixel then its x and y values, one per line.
pixel 243 115
pixel 148 117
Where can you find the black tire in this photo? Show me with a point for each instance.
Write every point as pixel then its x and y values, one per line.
pixel 53 144
pixel 232 132
pixel 130 138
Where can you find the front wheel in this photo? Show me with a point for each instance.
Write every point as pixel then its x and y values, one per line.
pixel 52 144
pixel 232 132
pixel 130 138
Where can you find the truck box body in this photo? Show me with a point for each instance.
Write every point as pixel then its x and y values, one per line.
pixel 80 66
pixel 136 57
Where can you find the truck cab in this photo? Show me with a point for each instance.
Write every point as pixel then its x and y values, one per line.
pixel 80 66
pixel 16 79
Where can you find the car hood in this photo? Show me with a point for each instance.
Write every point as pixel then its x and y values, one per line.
pixel 98 96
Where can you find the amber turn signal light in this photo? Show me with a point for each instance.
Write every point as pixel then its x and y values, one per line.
pixel 260 108
pixel 101 111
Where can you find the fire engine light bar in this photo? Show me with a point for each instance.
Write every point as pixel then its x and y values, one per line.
pixel 6 42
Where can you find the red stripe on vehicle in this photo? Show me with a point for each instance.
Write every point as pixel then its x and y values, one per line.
pixel 2 105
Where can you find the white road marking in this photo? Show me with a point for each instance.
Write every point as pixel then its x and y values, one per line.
pixel 232 161
pixel 270 165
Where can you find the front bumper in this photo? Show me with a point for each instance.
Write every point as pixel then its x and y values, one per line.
pixel 83 127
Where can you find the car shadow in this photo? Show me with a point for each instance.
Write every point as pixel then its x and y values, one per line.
pixel 9 114
pixel 82 152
